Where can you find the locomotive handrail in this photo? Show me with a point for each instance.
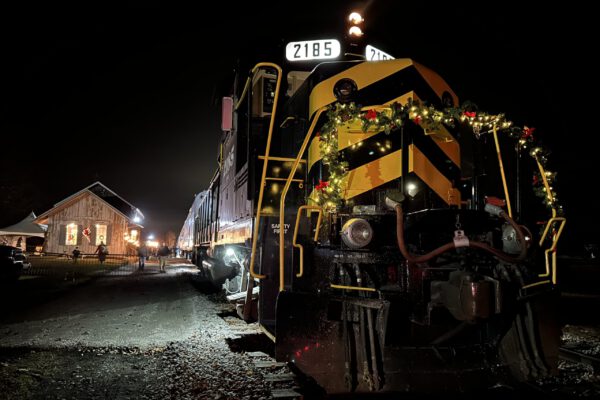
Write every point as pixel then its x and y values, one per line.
pixel 552 249
pixel 551 221
pixel 298 245
pixel 284 193
pixel 499 154
pixel 265 161
pixel 280 159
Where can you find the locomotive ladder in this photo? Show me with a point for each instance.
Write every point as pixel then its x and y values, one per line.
pixel 266 156
pixel 288 181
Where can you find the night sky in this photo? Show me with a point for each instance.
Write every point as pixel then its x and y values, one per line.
pixel 131 97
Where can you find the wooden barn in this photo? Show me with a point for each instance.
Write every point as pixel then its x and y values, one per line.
pixel 93 215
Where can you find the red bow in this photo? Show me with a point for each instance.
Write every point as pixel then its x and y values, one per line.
pixel 371 115
pixel 322 185
pixel 470 114
pixel 536 180
pixel 527 132
pixel 87 232
pixel 417 119
pixel 495 201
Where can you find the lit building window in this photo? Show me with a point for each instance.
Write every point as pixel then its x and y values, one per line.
pixel 134 234
pixel 71 238
pixel 100 234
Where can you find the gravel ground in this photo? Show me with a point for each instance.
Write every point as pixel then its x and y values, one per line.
pixel 184 354
pixel 157 336
pixel 577 380
pixel 143 310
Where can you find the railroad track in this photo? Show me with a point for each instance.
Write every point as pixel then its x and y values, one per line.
pixel 578 357
pixel 286 383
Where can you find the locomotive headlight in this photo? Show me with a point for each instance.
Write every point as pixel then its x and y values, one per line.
pixel 357 233
pixel 344 90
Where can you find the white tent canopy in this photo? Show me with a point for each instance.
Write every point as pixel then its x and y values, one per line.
pixel 25 228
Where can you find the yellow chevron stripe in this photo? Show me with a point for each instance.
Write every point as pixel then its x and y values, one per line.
pixel 370 175
pixel 364 74
pixel 436 82
pixel 424 169
pixel 388 168
pixel 351 134
pixel 451 149
pixel 441 136
pixel 373 174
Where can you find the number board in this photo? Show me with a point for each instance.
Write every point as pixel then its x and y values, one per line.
pixel 374 54
pixel 312 50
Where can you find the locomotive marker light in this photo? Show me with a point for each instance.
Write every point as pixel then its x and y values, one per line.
pixel 412 189
pixel 372 53
pixel 307 50
pixel 344 90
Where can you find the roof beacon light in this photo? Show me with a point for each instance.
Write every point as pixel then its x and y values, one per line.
pixel 355 18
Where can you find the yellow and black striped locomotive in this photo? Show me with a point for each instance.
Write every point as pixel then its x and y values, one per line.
pixel 362 230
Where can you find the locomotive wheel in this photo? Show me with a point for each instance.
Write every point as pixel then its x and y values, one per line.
pixel 530 347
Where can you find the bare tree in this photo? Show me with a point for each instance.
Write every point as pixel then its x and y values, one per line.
pixel 171 239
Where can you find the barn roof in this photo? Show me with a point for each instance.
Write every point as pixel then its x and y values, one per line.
pixel 103 192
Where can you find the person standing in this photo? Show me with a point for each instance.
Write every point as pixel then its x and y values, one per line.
pixel 102 251
pixel 163 253
pixel 76 254
pixel 142 254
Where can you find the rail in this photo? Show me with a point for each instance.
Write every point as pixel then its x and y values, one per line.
pixel 266 157
pixel 576 356
pixel 284 193
pixel 316 236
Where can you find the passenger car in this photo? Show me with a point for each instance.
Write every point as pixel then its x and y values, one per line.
pixel 12 263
